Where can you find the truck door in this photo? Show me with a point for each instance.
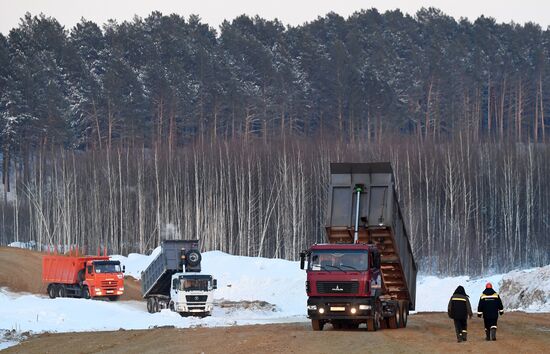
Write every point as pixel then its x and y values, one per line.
pixel 175 289
pixel 90 275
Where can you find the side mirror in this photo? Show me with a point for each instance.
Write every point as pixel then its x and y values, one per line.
pixel 175 284
pixel 214 284
pixel 123 269
pixel 302 260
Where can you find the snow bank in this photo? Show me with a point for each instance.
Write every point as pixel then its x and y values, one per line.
pixel 277 281
pixel 527 290
pixel 135 263
pixel 40 314
pixel 26 245
pixel 433 293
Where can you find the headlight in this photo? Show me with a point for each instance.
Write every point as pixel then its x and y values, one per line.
pixel 98 290
pixel 321 310
pixel 365 307
pixel 353 310
pixel 312 307
pixel 121 289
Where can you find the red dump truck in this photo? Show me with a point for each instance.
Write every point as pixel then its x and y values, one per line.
pixel 366 272
pixel 82 276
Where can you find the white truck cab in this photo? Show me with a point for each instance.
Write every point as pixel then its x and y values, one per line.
pixel 191 294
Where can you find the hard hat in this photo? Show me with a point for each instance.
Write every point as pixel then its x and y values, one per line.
pixel 488 286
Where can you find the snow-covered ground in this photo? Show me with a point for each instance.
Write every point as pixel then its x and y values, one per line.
pixel 278 282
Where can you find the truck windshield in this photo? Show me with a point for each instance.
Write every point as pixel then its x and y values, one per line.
pixel 202 284
pixel 107 267
pixel 338 260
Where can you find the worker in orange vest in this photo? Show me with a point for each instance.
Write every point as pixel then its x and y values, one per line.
pixel 490 306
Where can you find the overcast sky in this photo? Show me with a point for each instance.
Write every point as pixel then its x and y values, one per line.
pixel 293 12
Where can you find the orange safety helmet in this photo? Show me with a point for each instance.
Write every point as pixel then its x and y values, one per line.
pixel 488 286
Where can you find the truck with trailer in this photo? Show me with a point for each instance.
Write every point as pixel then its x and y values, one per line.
pixel 86 277
pixel 366 272
pixel 173 280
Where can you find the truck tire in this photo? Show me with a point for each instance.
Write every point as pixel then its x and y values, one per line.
pixel 156 305
pixel 52 291
pixel 193 258
pixel 373 324
pixel 404 313
pixel 392 322
pixel 317 325
pixel 150 307
pixel 399 315
pixel 61 292
pixel 85 293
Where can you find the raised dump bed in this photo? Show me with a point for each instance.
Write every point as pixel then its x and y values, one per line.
pixel 380 222
pixel 175 256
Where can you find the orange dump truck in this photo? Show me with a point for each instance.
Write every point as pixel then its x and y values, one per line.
pixel 82 276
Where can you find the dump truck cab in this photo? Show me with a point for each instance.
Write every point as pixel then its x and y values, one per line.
pixel 192 294
pixel 342 280
pixel 365 273
pixel 104 278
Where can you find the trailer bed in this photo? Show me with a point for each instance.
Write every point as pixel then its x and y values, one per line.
pixel 381 222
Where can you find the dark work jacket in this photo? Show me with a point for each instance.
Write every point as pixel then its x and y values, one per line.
pixel 489 304
pixel 459 307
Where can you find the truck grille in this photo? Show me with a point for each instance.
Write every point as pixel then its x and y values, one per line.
pixel 337 287
pixel 109 283
pixel 196 298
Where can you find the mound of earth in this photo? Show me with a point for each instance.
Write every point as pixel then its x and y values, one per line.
pixel 21 271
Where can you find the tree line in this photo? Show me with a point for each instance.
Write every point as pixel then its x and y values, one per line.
pixel 164 127
pixel 469 207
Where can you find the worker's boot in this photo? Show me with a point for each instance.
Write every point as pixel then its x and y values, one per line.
pixel 493 333
pixel 487 334
pixel 464 336
pixel 458 336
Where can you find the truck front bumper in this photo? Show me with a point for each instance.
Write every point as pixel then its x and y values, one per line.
pixel 340 308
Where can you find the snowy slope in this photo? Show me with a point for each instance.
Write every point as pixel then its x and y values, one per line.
pixel 527 290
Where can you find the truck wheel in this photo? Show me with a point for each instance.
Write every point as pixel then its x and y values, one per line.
pixel 399 315
pixel 373 324
pixel 193 258
pixel 52 291
pixel 156 305
pixel 61 292
pixel 85 293
pixel 150 307
pixel 317 325
pixel 392 322
pixel 404 313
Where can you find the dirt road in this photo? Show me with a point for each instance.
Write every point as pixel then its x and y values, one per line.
pixel 21 271
pixel 426 333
